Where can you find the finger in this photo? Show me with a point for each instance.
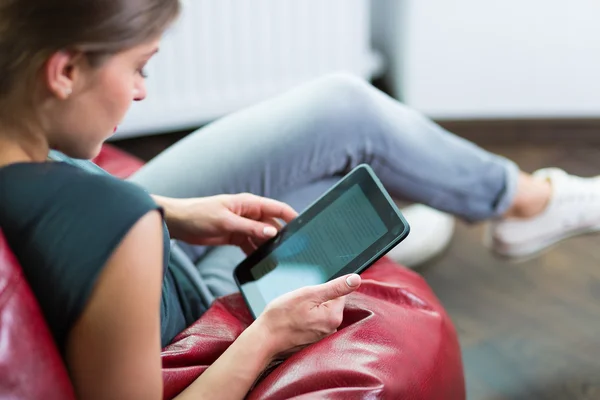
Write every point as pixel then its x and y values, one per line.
pixel 270 221
pixel 270 208
pixel 338 287
pixel 255 229
pixel 274 222
pixel 336 306
pixel 243 242
pixel 247 246
pixel 213 241
pixel 330 333
pixel 334 311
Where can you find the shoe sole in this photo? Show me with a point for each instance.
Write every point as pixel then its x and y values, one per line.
pixel 524 253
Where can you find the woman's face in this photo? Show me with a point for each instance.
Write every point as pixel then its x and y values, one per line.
pixel 100 98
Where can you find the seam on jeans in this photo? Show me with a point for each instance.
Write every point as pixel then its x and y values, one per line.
pixel 416 178
pixel 422 179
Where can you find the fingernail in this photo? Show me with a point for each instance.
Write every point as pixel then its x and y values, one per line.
pixel 352 280
pixel 269 231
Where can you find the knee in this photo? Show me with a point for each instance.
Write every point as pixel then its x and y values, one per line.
pixel 343 87
pixel 342 96
pixel 351 97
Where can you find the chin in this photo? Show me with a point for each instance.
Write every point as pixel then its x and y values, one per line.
pixel 81 153
pixel 93 154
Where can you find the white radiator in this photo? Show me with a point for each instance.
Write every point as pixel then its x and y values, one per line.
pixel 226 54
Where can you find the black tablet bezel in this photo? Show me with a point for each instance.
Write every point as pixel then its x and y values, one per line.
pixel 363 175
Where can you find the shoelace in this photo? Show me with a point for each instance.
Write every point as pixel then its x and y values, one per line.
pixel 579 198
pixel 581 194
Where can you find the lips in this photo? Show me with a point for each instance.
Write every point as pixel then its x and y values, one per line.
pixel 115 129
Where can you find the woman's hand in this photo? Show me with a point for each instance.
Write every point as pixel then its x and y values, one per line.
pixel 306 315
pixel 289 323
pixel 243 220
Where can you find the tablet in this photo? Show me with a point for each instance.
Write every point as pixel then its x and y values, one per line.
pixel 344 231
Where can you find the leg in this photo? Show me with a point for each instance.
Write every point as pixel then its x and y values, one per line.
pixel 316 132
pixel 323 129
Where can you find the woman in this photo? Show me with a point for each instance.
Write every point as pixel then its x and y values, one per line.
pixel 96 251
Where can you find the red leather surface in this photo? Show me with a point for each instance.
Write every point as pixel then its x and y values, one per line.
pixel 396 342
pixel 117 162
pixel 30 365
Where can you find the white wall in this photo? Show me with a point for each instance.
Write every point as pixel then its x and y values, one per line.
pixel 490 58
pixel 224 55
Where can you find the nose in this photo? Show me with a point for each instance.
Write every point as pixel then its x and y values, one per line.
pixel 139 92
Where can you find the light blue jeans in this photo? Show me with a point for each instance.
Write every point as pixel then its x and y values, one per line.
pixel 295 146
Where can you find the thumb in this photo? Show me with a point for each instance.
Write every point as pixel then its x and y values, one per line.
pixel 251 228
pixel 338 287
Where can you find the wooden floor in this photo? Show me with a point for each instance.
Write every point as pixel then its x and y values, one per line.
pixel 528 331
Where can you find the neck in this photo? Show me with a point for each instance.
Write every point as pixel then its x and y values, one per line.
pixel 21 146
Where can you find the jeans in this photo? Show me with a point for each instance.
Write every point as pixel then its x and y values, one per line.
pixel 295 146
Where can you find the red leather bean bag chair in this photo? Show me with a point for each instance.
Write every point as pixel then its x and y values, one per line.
pixel 396 342
pixel 117 162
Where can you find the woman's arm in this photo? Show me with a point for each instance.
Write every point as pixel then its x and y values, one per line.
pixel 243 220
pixel 113 351
pixel 232 375
pixel 173 211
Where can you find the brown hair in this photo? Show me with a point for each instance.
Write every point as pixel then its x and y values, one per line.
pixel 32 30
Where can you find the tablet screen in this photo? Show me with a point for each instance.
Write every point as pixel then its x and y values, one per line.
pixel 319 249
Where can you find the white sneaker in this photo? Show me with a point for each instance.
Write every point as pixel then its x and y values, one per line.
pixel 430 233
pixel 574 209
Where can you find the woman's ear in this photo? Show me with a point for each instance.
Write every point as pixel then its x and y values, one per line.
pixel 61 71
